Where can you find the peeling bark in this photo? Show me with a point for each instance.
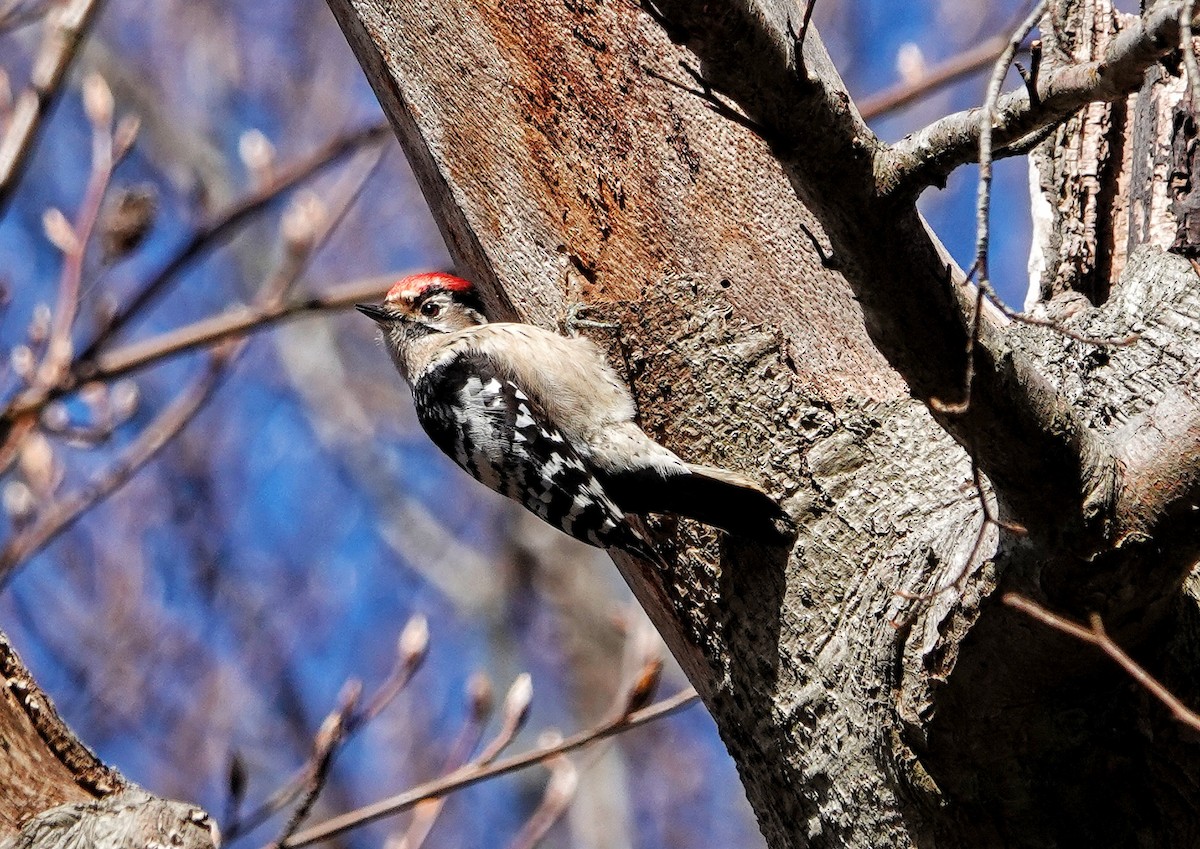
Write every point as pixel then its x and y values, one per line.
pixel 1080 247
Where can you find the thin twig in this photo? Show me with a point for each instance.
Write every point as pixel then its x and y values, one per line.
pixel 316 228
pixel 235 322
pixel 514 715
pixel 984 290
pixel 798 37
pixel 1186 14
pixel 426 813
pixel 827 258
pixel 1035 71
pixel 469 775
pixel 1050 324
pixel 979 268
pixel 213 231
pixel 63 513
pixel 958 408
pixel 951 70
pixel 986 121
pixel 560 790
pixel 564 775
pixel 809 7
pixel 411 649
pixel 331 736
pixel 1097 636
pixel 107 153
pixel 66 30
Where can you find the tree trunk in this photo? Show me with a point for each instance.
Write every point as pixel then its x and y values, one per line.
pixel 56 793
pixel 779 308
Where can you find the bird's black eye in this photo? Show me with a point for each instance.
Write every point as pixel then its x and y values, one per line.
pixel 430 309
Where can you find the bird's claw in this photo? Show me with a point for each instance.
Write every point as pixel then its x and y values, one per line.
pixel 573 320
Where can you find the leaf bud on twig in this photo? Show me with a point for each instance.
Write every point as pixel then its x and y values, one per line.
pixel 98 102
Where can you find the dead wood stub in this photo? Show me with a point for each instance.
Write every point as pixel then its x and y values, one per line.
pixel 42 762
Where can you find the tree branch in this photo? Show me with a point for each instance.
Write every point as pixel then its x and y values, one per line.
pixel 108 149
pixel 236 322
pixel 66 31
pixel 928 156
pixel 479 699
pixel 470 775
pixel 951 70
pixel 211 232
pixel 1097 636
pixel 983 202
pixel 316 230
pixel 15 417
pixel 142 450
pixel 331 736
pixel 557 796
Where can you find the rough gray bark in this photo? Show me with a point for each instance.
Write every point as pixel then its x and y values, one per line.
pixel 56 793
pixel 561 166
pixel 132 819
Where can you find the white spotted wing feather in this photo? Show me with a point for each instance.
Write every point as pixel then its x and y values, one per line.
pixel 495 430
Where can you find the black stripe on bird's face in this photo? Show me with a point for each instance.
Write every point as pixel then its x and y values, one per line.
pixel 466 299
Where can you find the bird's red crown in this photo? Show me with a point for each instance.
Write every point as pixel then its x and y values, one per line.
pixel 413 286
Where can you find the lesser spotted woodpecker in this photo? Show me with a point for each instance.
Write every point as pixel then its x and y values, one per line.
pixel 544 419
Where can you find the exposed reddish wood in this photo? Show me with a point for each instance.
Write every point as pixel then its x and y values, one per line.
pixel 592 166
pixel 42 763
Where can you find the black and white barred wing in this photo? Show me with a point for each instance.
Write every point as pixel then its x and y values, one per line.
pixel 495 431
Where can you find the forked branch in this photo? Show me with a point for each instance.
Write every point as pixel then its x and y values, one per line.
pixel 470 775
pixel 928 156
pixel 1095 634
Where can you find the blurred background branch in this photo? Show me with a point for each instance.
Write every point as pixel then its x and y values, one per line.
pixel 65 29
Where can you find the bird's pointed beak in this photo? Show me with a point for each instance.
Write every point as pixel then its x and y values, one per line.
pixel 375 312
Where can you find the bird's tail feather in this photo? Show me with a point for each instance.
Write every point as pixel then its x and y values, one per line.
pixel 716 497
pixel 732 502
